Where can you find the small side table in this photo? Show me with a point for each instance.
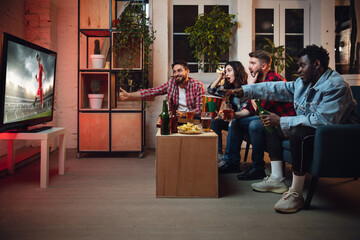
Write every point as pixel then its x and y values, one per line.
pixel 186 165
pixel 44 137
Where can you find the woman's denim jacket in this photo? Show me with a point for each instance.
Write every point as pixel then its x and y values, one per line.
pixel 329 101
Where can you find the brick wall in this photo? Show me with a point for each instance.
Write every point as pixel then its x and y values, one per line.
pixel 12 21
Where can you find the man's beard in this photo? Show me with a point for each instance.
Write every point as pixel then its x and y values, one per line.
pixel 181 80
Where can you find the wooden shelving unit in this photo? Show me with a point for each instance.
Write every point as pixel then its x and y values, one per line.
pixel 116 126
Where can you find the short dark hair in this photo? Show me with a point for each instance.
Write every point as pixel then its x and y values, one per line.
pixel 262 55
pixel 316 53
pixel 37 56
pixel 180 62
pixel 239 72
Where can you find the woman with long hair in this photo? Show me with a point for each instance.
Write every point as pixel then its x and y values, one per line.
pixel 234 76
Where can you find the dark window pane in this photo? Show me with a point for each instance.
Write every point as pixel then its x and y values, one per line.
pixel 295 44
pixel 260 41
pixel 264 20
pixel 193 68
pixel 294 20
pixel 184 16
pixel 182 50
pixel 342 39
pixel 209 8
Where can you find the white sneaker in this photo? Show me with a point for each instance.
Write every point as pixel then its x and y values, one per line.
pixel 270 184
pixel 290 202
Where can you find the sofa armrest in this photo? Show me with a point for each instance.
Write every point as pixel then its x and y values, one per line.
pixel 337 151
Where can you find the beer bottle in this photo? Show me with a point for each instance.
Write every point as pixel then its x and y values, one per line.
pixel 165 120
pixel 262 111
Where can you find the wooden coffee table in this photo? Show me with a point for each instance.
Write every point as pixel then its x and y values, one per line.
pixel 186 165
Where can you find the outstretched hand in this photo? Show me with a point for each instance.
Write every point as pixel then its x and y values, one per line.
pixel 270 120
pixel 123 95
pixel 237 91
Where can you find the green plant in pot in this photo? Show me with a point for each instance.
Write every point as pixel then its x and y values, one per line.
pixel 280 59
pixel 133 41
pixel 95 98
pixel 97 59
pixel 210 37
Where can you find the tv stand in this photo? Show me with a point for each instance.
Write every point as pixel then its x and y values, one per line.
pixel 44 136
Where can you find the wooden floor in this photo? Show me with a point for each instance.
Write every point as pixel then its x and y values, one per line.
pixel 114 198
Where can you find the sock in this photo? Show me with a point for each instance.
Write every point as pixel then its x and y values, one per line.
pixel 298 183
pixel 277 169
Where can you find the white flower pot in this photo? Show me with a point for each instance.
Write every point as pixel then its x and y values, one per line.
pixel 97 60
pixel 96 100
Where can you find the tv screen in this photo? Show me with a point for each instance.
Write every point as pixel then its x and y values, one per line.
pixel 27 84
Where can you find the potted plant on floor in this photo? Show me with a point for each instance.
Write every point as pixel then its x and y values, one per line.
pixel 210 37
pixel 95 98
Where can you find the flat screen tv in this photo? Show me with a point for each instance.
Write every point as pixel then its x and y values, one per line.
pixel 27 84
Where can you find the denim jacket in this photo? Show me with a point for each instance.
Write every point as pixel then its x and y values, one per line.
pixel 329 101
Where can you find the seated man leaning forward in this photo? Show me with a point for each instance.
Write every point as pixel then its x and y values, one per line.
pixel 321 97
pixel 184 92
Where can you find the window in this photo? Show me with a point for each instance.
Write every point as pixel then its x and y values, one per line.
pixel 285 24
pixel 185 16
pixel 345 49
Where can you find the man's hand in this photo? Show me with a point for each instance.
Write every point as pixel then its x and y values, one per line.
pixel 123 95
pixel 237 91
pixel 180 114
pixel 252 78
pixel 271 120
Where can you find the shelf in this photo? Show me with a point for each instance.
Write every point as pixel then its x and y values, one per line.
pixel 116 126
pixel 119 58
pixel 85 88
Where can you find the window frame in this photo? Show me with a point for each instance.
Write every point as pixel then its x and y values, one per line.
pixel 279 8
pixel 200 4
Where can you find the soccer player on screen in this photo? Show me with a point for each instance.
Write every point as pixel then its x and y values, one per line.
pixel 39 79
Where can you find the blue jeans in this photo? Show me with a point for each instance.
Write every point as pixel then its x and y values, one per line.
pixel 217 126
pixel 237 129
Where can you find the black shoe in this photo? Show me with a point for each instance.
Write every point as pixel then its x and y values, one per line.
pixel 252 174
pixel 229 168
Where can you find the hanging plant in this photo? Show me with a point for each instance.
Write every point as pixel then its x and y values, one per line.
pixel 135 37
pixel 210 36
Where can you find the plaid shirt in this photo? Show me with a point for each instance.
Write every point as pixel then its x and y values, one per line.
pixel 194 90
pixel 279 108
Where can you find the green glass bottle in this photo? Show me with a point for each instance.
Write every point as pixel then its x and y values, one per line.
pixel 165 119
pixel 262 111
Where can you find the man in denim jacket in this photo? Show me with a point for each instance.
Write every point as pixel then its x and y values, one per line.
pixel 321 97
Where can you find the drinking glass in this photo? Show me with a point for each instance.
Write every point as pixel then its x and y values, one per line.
pixel 228 112
pixel 206 121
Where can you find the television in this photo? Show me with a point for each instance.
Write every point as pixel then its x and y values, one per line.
pixel 27 84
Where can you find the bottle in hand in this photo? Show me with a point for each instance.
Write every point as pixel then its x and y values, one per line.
pixel 262 111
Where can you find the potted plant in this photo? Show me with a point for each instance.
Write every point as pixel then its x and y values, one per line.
pixel 210 37
pixel 135 38
pixel 97 59
pixel 280 59
pixel 95 98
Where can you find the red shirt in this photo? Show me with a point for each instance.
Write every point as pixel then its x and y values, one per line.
pixel 40 75
pixel 279 108
pixel 194 90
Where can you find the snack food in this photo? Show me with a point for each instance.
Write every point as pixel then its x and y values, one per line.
pixel 189 128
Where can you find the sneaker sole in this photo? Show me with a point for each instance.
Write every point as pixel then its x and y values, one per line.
pixel 274 190
pixel 292 210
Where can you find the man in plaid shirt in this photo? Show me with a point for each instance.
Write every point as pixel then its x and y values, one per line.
pixel 184 92
pixel 247 121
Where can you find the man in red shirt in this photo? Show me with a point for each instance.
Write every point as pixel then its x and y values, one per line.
pixel 184 92
pixel 39 79
pixel 247 121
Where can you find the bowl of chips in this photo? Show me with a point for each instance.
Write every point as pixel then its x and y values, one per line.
pixel 189 128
